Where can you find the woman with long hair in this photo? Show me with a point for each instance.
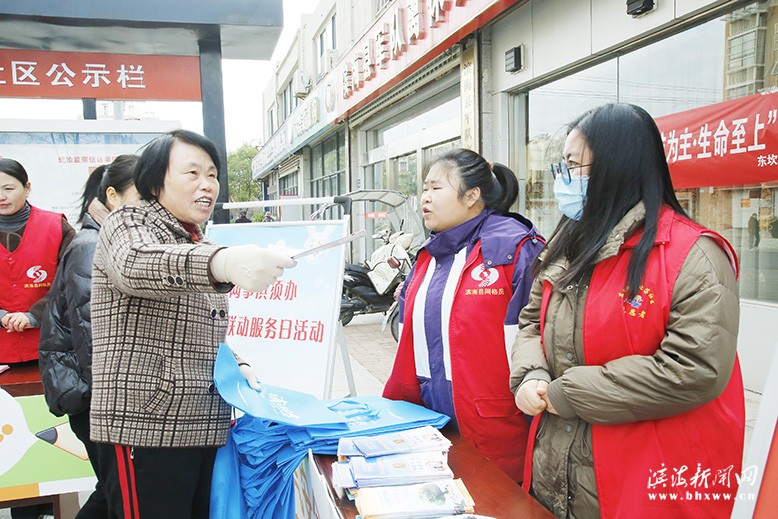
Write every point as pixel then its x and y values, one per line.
pixel 66 331
pixel 626 353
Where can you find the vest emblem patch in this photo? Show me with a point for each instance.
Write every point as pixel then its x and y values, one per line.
pixel 485 277
pixel 37 274
pixel 638 305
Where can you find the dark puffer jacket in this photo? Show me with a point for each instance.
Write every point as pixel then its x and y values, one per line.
pixel 65 350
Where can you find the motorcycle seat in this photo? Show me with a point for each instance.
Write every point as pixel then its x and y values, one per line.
pixel 357 268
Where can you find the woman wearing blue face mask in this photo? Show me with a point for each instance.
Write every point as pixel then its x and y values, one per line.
pixel 626 352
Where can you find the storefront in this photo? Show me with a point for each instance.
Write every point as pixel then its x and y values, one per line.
pixel 699 57
pixel 395 143
pixel 405 92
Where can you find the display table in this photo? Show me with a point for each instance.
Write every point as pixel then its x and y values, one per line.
pixel 494 493
pixel 25 381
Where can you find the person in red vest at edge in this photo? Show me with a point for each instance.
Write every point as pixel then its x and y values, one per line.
pixel 626 352
pixel 460 304
pixel 32 242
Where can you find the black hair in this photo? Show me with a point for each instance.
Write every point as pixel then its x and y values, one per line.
pixel 119 175
pixel 499 186
pixel 628 165
pixel 16 170
pixel 91 189
pixel 154 160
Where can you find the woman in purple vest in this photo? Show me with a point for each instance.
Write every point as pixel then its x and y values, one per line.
pixel 459 307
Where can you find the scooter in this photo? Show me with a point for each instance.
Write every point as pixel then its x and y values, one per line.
pixel 392 317
pixel 370 288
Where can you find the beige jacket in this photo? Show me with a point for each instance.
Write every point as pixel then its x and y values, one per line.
pixel 691 367
pixel 157 320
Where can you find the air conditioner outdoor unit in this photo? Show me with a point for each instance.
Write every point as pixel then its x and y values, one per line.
pixel 301 83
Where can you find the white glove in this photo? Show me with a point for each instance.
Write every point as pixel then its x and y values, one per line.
pixel 250 267
pixel 248 373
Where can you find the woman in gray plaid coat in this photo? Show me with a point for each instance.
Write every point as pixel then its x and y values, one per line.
pixel 159 311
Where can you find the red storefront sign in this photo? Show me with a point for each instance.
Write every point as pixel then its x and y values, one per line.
pixel 408 35
pixel 74 75
pixel 724 144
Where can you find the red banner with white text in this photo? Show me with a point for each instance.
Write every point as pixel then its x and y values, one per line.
pixel 75 75
pixel 724 144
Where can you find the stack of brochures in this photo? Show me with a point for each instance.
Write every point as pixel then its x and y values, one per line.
pixel 400 474
pixel 396 458
pixel 419 439
pixel 395 469
pixel 423 500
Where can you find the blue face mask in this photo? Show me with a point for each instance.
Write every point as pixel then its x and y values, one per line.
pixel 571 197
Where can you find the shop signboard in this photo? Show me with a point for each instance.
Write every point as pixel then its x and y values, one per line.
pixel 407 36
pixel 73 75
pixel 724 144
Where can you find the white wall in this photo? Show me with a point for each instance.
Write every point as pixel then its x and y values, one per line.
pixel 756 342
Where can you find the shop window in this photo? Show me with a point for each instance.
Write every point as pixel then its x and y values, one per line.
pixel 403 175
pixel 433 152
pixel 326 42
pixel 288 102
pixel 716 61
pixel 379 5
pixel 327 175
pixel 287 185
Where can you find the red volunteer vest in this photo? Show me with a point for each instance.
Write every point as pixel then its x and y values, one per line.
pixel 484 405
pixel 695 455
pixel 27 276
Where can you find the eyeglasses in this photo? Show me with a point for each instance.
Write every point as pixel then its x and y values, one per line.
pixel 561 168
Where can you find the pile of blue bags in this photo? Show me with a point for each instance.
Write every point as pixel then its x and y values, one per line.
pixel 253 473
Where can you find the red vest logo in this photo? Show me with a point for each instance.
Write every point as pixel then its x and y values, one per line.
pixel 37 274
pixel 485 277
pixel 637 306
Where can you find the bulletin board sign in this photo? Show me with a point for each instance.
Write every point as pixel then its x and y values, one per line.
pixel 288 332
pixel 39 454
pixel 60 155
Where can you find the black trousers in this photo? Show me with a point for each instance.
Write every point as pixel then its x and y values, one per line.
pixel 96 507
pixel 157 483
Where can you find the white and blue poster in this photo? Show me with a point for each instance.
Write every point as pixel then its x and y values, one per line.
pixel 288 331
pixel 60 155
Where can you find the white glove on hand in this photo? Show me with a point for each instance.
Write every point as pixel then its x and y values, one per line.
pixel 250 267
pixel 248 373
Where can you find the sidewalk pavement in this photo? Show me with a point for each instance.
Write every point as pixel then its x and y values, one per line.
pixel 371 353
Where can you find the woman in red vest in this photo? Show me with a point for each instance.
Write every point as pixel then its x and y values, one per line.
pixel 31 243
pixel 460 305
pixel 626 353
